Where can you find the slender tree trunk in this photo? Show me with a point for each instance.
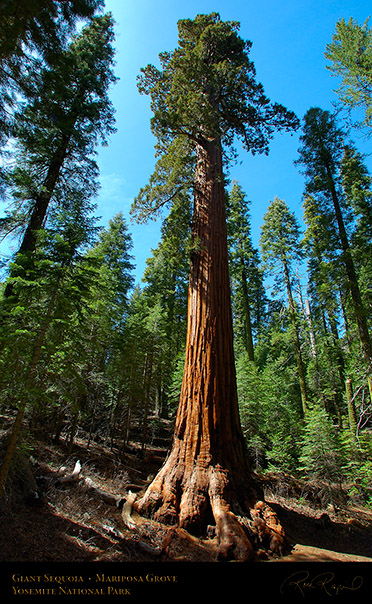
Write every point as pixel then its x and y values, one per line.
pixel 59 418
pixel 247 317
pixel 43 198
pixel 358 306
pixel 126 431
pixel 74 427
pixel 351 409
pixel 331 351
pixel 206 478
pixel 147 384
pixel 91 424
pixel 300 364
pixel 41 203
pixel 345 319
pixel 311 328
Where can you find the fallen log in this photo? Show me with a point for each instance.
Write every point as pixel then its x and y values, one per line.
pixel 74 477
pixel 104 495
pixel 123 503
pixel 126 513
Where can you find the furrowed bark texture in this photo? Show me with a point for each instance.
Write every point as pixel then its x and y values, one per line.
pixel 206 478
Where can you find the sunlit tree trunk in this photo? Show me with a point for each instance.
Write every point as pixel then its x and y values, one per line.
pixel 207 478
pixel 351 409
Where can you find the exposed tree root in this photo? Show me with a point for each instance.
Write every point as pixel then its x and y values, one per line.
pixel 270 531
pixel 244 523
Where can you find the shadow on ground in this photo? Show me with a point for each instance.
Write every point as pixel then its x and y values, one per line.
pixel 40 535
pixel 325 534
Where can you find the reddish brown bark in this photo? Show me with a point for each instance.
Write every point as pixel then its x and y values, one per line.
pixel 206 478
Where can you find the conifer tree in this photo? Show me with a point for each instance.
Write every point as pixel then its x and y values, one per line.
pixel 323 266
pixel 321 151
pixel 42 25
pixel 166 273
pixel 112 254
pixel 321 457
pixel 127 367
pixel 280 248
pixel 166 281
pixel 32 34
pixel 246 277
pixel 357 188
pixel 46 299
pixel 204 95
pixel 58 130
pixel 350 56
pixel 93 344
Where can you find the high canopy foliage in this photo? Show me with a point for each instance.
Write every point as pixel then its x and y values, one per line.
pixel 32 34
pixel 41 25
pixel 206 89
pixel 350 56
pixel 58 129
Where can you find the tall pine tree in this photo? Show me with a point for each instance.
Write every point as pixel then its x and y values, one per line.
pixel 57 132
pixel 280 248
pixel 32 33
pixel 350 56
pixel 320 153
pixel 246 276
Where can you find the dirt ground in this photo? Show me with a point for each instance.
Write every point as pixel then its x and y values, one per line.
pixel 344 537
pixel 71 522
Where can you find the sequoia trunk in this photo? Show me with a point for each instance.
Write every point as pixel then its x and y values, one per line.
pixel 206 478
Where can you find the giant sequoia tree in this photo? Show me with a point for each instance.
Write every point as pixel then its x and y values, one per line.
pixel 203 96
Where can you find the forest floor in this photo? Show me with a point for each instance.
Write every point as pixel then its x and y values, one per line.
pixel 71 521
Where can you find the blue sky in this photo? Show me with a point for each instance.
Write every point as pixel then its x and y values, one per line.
pixel 289 39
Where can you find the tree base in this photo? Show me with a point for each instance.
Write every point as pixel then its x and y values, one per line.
pixel 211 495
